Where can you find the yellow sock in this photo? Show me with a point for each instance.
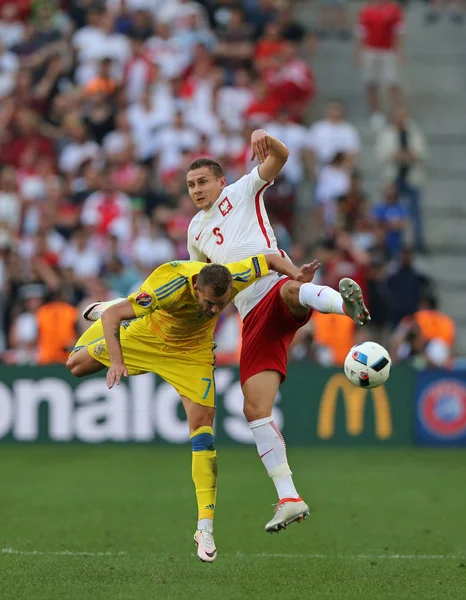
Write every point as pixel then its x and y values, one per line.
pixel 204 468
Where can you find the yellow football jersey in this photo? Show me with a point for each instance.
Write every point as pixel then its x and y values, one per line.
pixel 167 303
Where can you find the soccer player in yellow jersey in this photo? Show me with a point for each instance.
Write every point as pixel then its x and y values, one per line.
pixel 167 328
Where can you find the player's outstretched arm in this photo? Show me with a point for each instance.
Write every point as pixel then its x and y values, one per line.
pixel 271 153
pixel 111 321
pixel 306 273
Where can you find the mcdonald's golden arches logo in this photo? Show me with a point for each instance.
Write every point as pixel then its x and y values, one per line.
pixel 354 401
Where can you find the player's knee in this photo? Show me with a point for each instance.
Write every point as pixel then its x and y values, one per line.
pixel 203 419
pixel 199 415
pixel 75 365
pixel 253 411
pixel 290 294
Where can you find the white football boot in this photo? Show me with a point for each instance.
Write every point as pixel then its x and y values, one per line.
pixel 206 550
pixel 94 311
pixel 288 511
pixel 353 302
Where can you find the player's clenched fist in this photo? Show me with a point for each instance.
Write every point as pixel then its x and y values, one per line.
pixel 260 145
pixel 115 373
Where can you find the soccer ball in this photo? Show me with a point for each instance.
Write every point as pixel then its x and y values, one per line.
pixel 367 365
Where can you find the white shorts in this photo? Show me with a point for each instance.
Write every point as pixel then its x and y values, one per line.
pixel 380 66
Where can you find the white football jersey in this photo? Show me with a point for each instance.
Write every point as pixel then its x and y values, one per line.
pixel 236 227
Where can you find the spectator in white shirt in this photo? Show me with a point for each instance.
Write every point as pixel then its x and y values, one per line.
pixel 11 30
pixel 10 202
pixel 151 248
pixel 234 100
pixel 146 122
pixel 79 150
pixel 331 135
pixel 80 256
pixel 167 52
pixel 333 181
pixel 172 142
pixel 294 136
pixel 96 41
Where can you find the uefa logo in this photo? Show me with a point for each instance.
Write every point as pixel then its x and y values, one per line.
pixel 442 409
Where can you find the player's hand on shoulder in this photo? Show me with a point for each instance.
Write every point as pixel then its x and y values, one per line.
pixel 115 373
pixel 260 145
pixel 307 272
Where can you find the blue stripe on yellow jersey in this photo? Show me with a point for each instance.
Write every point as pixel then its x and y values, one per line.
pixel 170 284
pixel 244 276
pixel 172 290
pixel 241 274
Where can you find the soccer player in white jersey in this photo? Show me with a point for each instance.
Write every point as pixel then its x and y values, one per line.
pixel 231 224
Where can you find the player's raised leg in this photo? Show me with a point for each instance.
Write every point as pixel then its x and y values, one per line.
pixel 80 362
pixel 259 395
pixel 300 297
pixel 204 473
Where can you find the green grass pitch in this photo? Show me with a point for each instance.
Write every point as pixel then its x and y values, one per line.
pixel 386 524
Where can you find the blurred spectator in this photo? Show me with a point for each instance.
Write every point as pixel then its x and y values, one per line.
pixel 294 136
pixel 380 27
pixel 11 27
pixel 340 257
pixel 10 202
pixel 291 82
pixel 107 210
pixel 333 182
pixel 235 49
pixel 391 216
pixel 353 206
pixel 333 336
pixel 330 135
pixel 79 149
pixel 151 248
pixel 401 150
pixel 378 297
pixel 233 100
pixel 269 47
pixel 406 287
pixel 56 323
pixel 425 338
pixel 23 336
pixel 80 256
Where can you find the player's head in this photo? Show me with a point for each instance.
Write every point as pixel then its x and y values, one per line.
pixel 213 289
pixel 206 181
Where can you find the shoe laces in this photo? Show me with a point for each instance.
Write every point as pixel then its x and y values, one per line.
pixel 207 538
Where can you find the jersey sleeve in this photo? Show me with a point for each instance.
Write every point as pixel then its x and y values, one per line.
pixel 250 184
pixel 247 271
pixel 159 291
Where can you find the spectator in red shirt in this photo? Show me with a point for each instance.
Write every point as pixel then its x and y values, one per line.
pixel 291 82
pixel 28 139
pixel 269 47
pixel 379 29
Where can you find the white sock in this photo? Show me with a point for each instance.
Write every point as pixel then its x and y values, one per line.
pixel 322 298
pixel 272 451
pixel 206 525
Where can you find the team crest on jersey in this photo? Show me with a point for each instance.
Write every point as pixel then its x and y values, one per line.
pixel 99 348
pixel 144 299
pixel 225 207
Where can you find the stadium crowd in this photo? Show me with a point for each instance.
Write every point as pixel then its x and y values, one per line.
pixel 103 105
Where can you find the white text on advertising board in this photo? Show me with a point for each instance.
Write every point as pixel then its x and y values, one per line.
pixel 140 410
